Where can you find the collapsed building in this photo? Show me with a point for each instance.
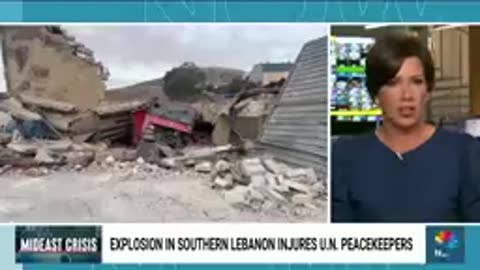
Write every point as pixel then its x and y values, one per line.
pixel 60 83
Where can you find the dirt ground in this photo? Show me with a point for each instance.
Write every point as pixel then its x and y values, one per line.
pixel 102 195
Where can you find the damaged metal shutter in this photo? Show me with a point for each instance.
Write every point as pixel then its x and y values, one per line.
pixel 297 132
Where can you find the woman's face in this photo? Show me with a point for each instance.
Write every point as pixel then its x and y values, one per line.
pixel 403 98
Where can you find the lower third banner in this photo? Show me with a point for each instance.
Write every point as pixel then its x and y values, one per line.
pixel 58 244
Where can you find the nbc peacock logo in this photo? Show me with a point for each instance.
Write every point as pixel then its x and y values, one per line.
pixel 445 244
pixel 447 239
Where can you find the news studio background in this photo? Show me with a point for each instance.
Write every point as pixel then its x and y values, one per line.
pixel 212 233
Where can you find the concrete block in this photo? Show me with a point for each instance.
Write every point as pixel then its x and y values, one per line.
pixel 302 199
pixel 250 167
pixel 83 158
pixel 222 166
pixel 23 147
pixel 140 161
pixel 224 182
pixel 272 166
pixel 299 187
pixel 168 163
pixel 43 156
pixel 204 167
pixel 110 160
pixel 258 181
pixel 306 176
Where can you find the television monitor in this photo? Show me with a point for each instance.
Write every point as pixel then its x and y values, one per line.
pixel 350 100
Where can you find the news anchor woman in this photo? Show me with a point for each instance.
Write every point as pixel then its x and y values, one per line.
pixel 407 170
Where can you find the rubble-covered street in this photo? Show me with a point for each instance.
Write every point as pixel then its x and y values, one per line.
pixel 115 189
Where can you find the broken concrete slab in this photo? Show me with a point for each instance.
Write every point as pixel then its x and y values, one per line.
pixel 296 186
pixel 320 188
pixel 224 182
pixel 166 150
pixel 140 161
pixel 222 166
pixel 272 166
pixel 80 158
pixel 206 152
pixel 222 130
pixel 27 148
pixel 57 146
pixel 36 172
pixel 47 103
pixel 258 181
pixel 43 156
pixel 302 175
pixel 277 196
pixel 118 153
pixel 16 109
pixel 256 195
pixel 110 160
pixel 237 196
pixel 168 163
pixel 252 166
pixel 204 167
pixel 189 163
pixel 271 179
pixel 275 182
pixel 302 199
pixel 5 138
pixel 78 167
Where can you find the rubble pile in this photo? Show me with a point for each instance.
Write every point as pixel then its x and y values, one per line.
pixel 250 181
pixel 255 182
pixel 56 88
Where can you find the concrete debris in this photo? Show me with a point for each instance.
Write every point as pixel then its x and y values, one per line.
pixel 250 182
pixel 256 195
pixel 222 166
pixel 237 196
pixel 110 160
pixel 5 138
pixel 117 153
pixel 166 150
pixel 276 196
pixel 204 167
pixel 168 163
pixel 206 152
pixel 37 172
pixel 140 161
pixel 258 181
pixel 299 187
pixel 189 163
pixel 302 199
pixel 272 166
pixel 251 167
pixel 43 156
pixel 301 175
pixel 23 148
pixel 79 158
pixel 224 182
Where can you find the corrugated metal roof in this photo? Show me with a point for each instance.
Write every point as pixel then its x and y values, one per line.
pixel 296 132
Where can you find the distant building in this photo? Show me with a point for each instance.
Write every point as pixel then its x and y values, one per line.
pixel 266 73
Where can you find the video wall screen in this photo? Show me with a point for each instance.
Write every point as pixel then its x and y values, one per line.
pixel 350 100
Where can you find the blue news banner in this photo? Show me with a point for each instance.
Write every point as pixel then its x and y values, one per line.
pixel 80 247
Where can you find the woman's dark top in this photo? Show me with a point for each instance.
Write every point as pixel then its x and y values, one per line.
pixel 439 181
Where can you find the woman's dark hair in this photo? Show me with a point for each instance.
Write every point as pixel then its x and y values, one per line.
pixel 387 55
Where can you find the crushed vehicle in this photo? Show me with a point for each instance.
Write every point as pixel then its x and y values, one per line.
pixel 164 127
